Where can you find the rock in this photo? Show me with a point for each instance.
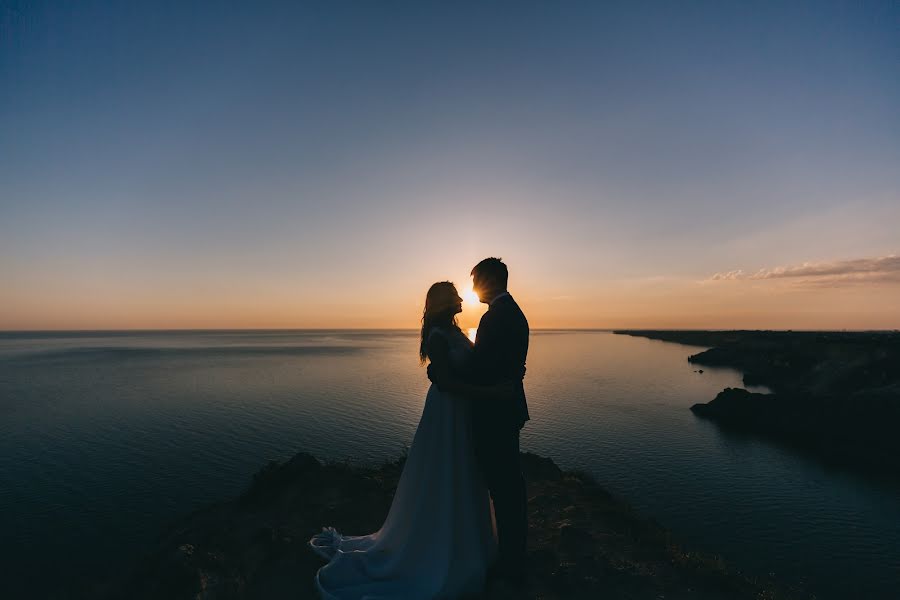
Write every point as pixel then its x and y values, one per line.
pixel 536 467
pixel 274 476
pixel 582 542
pixel 836 394
pixel 575 540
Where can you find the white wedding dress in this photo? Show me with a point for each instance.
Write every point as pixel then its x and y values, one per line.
pixel 439 535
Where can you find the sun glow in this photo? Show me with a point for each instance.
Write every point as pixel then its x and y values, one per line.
pixel 473 331
pixel 470 297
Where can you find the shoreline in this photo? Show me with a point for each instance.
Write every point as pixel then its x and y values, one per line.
pixel 835 395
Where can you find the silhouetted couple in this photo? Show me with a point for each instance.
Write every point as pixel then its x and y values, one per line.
pixel 441 538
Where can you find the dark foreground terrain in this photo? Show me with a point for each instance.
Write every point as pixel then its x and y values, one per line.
pixel 583 542
pixel 835 395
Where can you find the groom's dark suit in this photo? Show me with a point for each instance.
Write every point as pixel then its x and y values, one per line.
pixel 501 346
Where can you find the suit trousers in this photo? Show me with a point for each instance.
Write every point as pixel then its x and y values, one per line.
pixel 497 453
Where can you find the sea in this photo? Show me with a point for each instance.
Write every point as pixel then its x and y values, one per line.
pixel 107 436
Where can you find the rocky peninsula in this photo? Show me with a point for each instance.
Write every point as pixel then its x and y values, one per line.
pixel 584 543
pixel 835 395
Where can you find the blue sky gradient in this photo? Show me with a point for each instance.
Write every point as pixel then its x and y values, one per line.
pixel 320 164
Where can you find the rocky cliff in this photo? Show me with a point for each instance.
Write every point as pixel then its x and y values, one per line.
pixel 583 542
pixel 836 395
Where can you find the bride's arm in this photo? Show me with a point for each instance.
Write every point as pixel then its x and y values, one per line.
pixel 439 373
pixel 498 391
pixel 439 361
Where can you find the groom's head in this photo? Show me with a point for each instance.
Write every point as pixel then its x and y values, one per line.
pixel 489 278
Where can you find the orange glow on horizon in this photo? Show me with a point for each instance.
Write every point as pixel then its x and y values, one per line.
pixel 394 300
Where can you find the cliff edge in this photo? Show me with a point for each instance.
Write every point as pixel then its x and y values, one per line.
pixel 583 542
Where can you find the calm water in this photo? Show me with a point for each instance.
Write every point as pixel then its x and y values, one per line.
pixel 103 437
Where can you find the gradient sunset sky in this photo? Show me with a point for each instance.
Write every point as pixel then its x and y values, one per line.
pixel 253 164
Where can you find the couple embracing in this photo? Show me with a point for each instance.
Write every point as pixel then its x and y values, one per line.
pixel 458 517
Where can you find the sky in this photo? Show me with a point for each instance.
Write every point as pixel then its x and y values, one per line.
pixel 320 164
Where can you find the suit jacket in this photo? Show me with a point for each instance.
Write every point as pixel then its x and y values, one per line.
pixel 501 347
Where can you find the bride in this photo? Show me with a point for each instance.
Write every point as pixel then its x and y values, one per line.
pixel 439 535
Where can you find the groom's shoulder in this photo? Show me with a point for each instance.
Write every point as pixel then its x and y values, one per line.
pixel 511 303
pixel 511 309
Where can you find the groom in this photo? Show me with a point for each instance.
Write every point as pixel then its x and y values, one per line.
pixel 501 346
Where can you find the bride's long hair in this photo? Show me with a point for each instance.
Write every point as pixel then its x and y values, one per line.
pixel 439 303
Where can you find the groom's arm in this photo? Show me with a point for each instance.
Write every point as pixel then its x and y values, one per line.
pixel 497 391
pixel 484 384
pixel 485 350
pixel 472 373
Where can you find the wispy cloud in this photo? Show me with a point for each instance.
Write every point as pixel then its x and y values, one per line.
pixel 880 269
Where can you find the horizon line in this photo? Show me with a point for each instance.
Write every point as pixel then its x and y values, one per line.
pixel 304 329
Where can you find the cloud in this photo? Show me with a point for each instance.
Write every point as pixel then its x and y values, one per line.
pixel 729 275
pixel 881 269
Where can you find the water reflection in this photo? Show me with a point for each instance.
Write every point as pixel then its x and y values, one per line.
pixel 101 451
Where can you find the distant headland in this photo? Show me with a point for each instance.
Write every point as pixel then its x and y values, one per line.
pixel 835 395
